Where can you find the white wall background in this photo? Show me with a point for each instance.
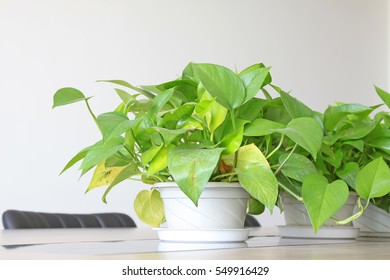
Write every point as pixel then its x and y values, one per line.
pixel 321 50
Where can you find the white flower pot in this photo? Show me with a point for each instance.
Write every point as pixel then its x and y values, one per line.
pixel 298 223
pixel 373 220
pixel 295 213
pixel 221 206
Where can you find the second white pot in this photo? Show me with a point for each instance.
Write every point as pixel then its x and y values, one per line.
pixel 295 212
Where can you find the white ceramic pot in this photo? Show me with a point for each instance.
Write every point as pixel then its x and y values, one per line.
pixel 295 213
pixel 221 206
pixel 373 220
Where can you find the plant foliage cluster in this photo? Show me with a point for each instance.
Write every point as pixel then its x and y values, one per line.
pixel 211 125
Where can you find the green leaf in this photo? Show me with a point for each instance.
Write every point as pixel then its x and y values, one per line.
pixel 66 96
pixel 348 173
pixel 100 152
pixel 357 131
pixel 306 132
pixel 169 135
pixel 172 118
pixel 382 143
pixel 254 80
pixel 192 167
pixel 211 111
pixel 336 159
pixel 292 185
pixel 251 109
pixel 257 66
pixel 373 180
pixel 148 155
pixel 116 160
pixel 159 101
pixel 80 155
pixel 217 116
pixel 297 166
pixel 149 207
pixel 109 121
pixel 185 90
pixel 255 207
pixel 295 108
pixel 126 173
pixel 261 127
pixel 160 161
pixel 123 127
pixel 322 199
pixel 190 123
pixel 358 144
pixel 124 96
pixel 336 114
pixel 260 182
pixel 140 107
pixel 232 142
pixel 221 83
pixel 146 93
pixel 384 95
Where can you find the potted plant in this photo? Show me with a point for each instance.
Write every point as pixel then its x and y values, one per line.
pixel 352 162
pixel 189 139
pixel 375 221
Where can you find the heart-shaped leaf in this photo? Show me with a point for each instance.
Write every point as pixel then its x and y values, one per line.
pixel 66 96
pixel 109 121
pixel 261 127
pixel 191 167
pixel 149 207
pixel 260 182
pixel 169 134
pixel 373 180
pixel 306 132
pixel 253 80
pixel 294 107
pixel 297 167
pixel 221 83
pixel 322 199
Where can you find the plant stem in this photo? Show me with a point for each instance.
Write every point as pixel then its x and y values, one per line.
pixel 284 162
pixel 122 156
pixel 277 148
pixel 223 175
pixel 233 118
pixel 90 111
pixel 354 216
pixel 290 192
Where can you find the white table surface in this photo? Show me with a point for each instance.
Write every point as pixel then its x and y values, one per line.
pixel 142 244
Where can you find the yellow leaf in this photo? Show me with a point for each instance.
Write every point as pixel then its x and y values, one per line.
pixel 103 176
pixel 246 155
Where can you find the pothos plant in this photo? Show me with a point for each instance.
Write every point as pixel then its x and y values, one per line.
pixel 201 127
pixel 354 155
